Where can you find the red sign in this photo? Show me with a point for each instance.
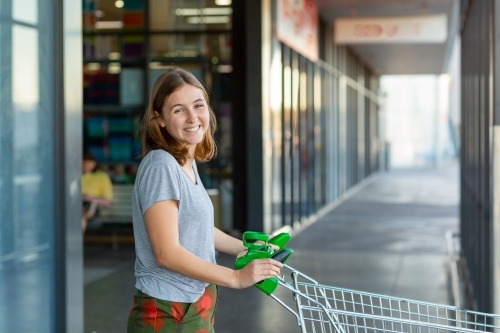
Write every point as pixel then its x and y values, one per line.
pixel 297 26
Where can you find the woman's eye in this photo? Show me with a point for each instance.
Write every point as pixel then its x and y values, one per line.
pixel 178 110
pixel 198 106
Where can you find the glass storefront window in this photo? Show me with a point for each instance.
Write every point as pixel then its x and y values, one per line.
pixel 128 44
pixel 27 177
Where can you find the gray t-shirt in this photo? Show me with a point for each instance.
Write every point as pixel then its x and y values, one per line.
pixel 160 177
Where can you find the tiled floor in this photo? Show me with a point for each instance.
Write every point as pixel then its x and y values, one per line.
pixel 388 238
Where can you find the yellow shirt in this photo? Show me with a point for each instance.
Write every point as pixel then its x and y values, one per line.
pixel 97 184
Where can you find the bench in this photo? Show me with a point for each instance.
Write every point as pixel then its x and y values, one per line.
pixel 119 213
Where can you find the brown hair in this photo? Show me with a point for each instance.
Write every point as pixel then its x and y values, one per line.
pixel 88 156
pixel 153 136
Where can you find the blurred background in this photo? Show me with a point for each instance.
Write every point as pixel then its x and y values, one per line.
pixel 368 129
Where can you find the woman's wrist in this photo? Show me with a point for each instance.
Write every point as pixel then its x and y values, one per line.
pixel 235 280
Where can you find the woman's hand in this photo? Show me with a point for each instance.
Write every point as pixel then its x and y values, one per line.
pixel 242 253
pixel 257 270
pixel 95 200
pixel 87 198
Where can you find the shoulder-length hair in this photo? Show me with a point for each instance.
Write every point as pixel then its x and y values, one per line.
pixel 153 136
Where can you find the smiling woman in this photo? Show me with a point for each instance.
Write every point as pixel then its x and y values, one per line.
pixel 173 216
pixel 176 99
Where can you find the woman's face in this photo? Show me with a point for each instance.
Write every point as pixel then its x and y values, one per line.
pixel 185 115
pixel 88 165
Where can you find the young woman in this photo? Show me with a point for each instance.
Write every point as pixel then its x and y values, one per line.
pixel 175 238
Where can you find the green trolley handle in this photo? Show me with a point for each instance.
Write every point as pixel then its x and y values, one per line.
pixel 259 247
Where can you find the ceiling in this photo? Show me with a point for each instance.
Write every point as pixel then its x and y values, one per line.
pixel 398 58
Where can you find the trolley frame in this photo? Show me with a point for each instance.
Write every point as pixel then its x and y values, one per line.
pixel 328 309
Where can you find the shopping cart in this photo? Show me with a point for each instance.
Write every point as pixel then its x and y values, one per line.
pixel 326 309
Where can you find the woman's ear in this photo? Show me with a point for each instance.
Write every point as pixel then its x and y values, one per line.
pixel 159 119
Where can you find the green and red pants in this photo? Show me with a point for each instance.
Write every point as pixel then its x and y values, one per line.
pixel 150 314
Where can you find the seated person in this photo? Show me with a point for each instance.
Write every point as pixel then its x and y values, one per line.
pixel 118 174
pixel 97 189
pixel 132 173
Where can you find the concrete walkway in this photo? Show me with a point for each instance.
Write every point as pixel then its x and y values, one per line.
pixel 387 238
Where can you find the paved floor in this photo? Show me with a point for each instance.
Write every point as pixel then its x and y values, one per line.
pixel 387 238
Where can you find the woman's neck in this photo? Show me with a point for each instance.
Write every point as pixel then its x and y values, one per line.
pixel 191 153
pixel 190 157
pixel 189 162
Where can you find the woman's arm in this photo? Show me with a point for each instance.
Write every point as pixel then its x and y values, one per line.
pixel 99 201
pixel 227 244
pixel 161 221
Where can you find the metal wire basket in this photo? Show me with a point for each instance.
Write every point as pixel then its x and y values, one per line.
pixel 323 308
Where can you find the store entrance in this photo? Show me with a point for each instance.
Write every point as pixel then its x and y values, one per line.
pixel 127 45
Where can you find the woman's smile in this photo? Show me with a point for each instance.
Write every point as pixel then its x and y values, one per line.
pixel 192 129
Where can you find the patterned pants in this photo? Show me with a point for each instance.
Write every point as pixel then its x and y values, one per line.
pixel 150 314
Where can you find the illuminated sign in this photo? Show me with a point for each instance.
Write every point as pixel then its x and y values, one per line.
pixel 400 29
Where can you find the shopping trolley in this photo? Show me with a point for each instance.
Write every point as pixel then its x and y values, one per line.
pixel 327 309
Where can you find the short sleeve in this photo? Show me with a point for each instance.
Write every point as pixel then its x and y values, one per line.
pixel 107 187
pixel 159 182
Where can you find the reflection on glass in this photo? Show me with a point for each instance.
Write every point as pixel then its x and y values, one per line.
pixel 27 273
pixel 26 99
pixel 25 92
pixel 25 11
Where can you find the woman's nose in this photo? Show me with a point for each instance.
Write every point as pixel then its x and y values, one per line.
pixel 191 115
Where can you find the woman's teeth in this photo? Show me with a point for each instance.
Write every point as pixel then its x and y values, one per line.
pixel 192 129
